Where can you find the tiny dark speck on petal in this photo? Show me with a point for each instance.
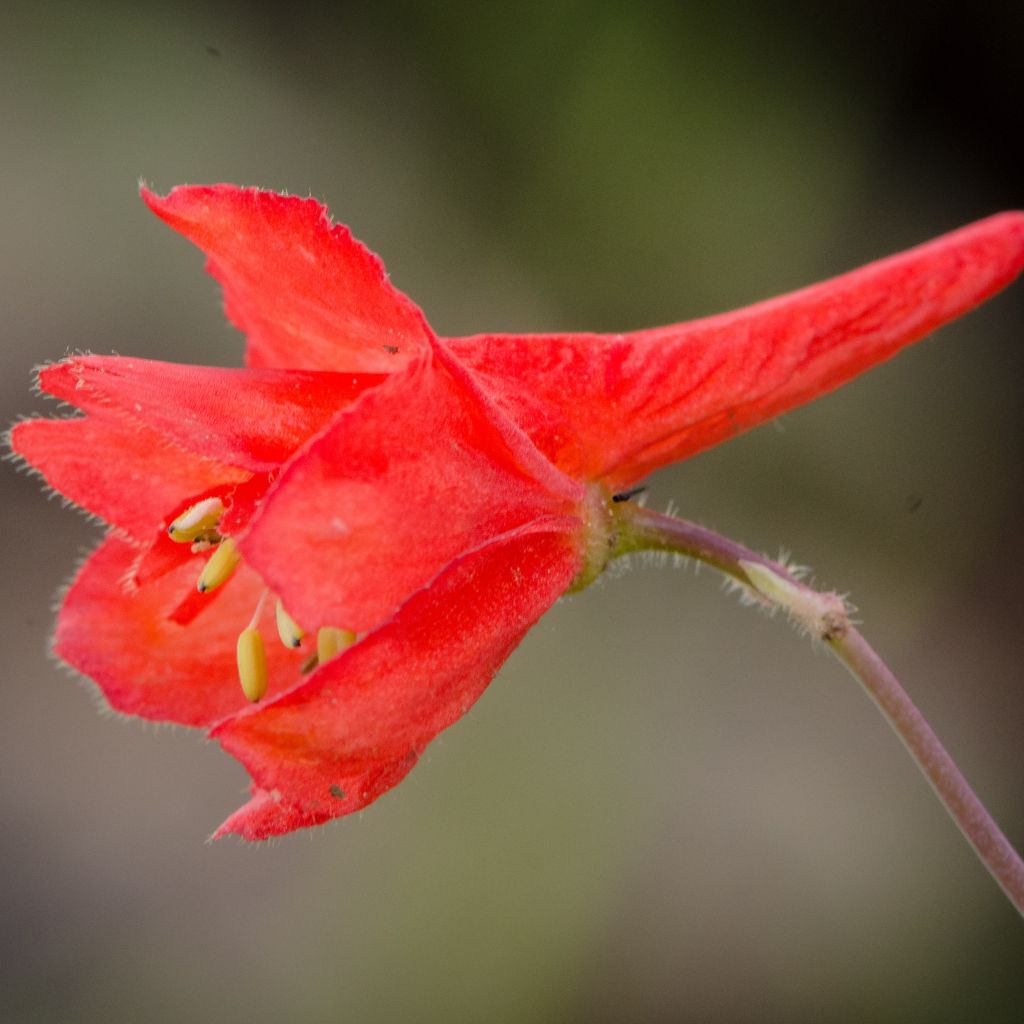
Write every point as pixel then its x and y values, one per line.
pixel 337 792
pixel 392 349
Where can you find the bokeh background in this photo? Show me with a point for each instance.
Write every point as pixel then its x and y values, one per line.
pixel 667 807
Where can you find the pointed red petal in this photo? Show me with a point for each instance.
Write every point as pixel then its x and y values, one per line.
pixel 268 814
pixel 616 407
pixel 412 476
pixel 358 725
pixel 121 471
pixel 149 666
pixel 249 418
pixel 303 290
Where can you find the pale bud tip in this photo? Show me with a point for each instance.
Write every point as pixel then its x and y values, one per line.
pixel 771 584
pixel 824 615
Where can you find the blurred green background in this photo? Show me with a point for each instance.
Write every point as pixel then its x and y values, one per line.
pixel 667 808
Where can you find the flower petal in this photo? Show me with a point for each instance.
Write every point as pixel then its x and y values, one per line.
pixel 616 407
pixel 412 476
pixel 150 666
pixel 249 418
pixel 303 290
pixel 359 724
pixel 122 471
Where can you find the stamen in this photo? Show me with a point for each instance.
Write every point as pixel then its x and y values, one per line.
pixel 197 520
pixel 221 565
pixel 251 656
pixel 290 632
pixel 252 664
pixel 331 641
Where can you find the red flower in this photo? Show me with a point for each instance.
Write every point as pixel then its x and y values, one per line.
pixel 426 498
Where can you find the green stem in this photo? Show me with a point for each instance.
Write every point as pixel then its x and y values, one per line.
pixel 825 616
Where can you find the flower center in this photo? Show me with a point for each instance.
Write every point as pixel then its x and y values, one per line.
pixel 199 525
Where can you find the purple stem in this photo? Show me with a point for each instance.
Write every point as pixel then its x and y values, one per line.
pixel 642 529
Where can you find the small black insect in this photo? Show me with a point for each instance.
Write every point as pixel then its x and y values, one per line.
pixel 626 495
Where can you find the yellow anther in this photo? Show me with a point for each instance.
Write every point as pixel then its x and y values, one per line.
pixel 197 520
pixel 222 563
pixel 290 632
pixel 331 641
pixel 252 664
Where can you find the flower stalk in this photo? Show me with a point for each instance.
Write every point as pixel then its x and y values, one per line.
pixel 825 617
